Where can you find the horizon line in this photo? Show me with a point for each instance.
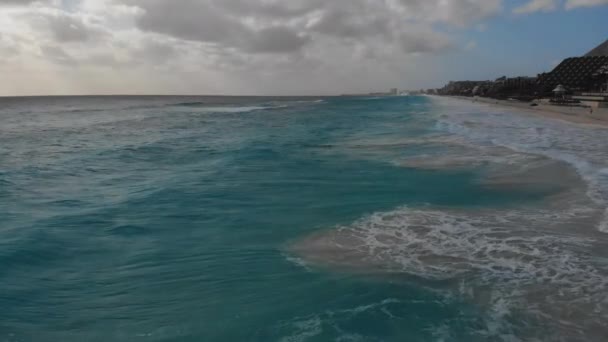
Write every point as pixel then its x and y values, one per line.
pixel 184 95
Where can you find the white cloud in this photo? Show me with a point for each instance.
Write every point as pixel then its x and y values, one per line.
pixel 537 6
pixel 65 27
pixel 286 27
pixel 472 45
pixel 231 46
pixel 570 4
pixel 551 5
pixel 456 12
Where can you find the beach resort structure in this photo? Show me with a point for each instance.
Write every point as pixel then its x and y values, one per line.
pixel 584 81
pixel 576 74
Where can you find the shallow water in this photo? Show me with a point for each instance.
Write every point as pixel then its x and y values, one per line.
pixel 298 219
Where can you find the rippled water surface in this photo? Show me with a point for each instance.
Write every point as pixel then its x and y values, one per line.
pixel 299 219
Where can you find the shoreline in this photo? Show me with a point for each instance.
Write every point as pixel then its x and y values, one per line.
pixel 577 115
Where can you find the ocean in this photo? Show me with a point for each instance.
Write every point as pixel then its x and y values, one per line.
pixel 299 219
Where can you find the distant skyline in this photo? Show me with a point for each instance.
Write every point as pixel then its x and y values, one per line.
pixel 278 47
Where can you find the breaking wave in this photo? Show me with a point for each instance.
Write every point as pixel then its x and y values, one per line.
pixel 223 109
pixel 188 104
pixel 582 146
pixel 334 322
pixel 543 262
pixel 519 262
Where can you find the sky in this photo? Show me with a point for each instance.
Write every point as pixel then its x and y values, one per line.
pixel 283 47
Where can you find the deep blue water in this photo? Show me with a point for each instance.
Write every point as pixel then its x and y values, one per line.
pixel 170 219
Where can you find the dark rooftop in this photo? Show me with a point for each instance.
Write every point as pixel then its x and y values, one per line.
pixel 600 50
pixel 574 73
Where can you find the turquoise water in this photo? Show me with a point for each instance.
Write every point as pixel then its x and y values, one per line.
pixel 174 219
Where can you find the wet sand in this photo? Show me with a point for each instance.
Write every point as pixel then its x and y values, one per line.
pixel 579 115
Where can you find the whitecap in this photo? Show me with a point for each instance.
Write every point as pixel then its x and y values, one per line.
pixel 304 330
pixel 517 262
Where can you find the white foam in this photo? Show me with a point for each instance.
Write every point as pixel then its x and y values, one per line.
pixel 437 244
pixel 584 147
pixel 305 330
pixel 603 226
pixel 308 327
pixel 441 333
pixel 519 254
pixel 534 262
pixel 297 261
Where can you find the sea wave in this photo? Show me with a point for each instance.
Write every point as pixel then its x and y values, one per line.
pixel 583 147
pixel 201 107
pixel 603 226
pixel 188 104
pixel 532 267
pixel 243 109
pixel 334 322
pixel 223 109
pixel 542 262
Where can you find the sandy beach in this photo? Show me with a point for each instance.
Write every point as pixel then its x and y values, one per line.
pixel 577 115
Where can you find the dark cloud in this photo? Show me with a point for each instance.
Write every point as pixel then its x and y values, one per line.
pixel 204 22
pixel 57 55
pixel 268 9
pixel 63 27
pixel 424 42
pixel 276 40
pixel 8 49
pixel 272 26
pixel 346 23
pixel 68 28
pixel 190 20
pixel 62 57
pixel 155 52
pixel 277 26
pixel 266 45
pixel 454 12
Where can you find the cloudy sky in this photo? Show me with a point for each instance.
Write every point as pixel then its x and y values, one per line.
pixel 283 46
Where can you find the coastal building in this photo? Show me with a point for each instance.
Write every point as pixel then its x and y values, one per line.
pixel 512 87
pixel 464 88
pixel 583 80
pixel 521 82
pixel 576 74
